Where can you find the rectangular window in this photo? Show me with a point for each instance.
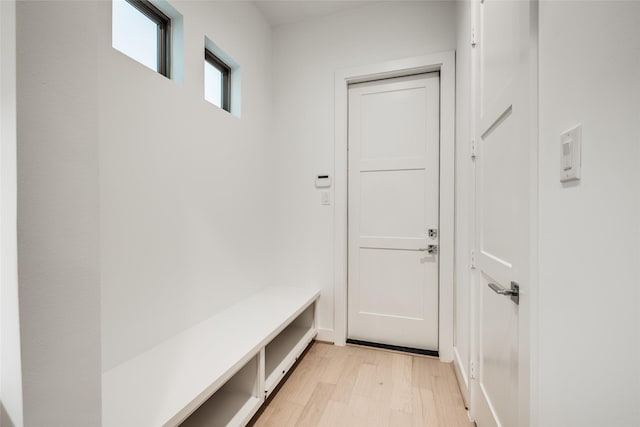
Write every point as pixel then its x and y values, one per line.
pixel 217 81
pixel 141 31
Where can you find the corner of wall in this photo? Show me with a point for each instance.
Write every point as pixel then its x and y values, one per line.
pixel 463 196
pixel 11 413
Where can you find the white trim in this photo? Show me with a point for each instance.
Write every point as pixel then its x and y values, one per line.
pixel 473 282
pixel 529 402
pixel 461 376
pixel 325 335
pixel 445 63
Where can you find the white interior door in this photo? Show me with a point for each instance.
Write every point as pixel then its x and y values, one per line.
pixel 503 132
pixel 393 202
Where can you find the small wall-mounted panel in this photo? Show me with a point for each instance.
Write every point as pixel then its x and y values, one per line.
pixel 571 154
pixel 323 181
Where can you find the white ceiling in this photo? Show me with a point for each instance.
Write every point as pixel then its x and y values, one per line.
pixel 290 11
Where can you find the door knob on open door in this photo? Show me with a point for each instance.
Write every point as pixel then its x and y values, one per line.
pixel 514 292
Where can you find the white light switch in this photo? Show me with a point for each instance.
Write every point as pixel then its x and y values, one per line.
pixel 570 154
pixel 324 198
pixel 566 155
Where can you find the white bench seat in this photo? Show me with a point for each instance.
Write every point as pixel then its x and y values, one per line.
pixel 164 385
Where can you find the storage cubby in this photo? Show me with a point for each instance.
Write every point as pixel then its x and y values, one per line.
pixel 174 382
pixel 282 352
pixel 234 403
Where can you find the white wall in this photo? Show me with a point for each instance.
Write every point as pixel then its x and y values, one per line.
pixel 58 200
pixel 306 56
pixel 463 220
pixel 10 364
pixel 589 324
pixel 142 208
pixel 186 206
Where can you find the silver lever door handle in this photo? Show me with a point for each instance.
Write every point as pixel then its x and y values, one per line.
pixel 514 292
pixel 500 290
pixel 430 249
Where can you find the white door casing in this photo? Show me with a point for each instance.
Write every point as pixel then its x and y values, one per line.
pixel 444 62
pixel 504 129
pixel 393 202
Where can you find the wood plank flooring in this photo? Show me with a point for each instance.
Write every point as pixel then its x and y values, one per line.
pixel 358 386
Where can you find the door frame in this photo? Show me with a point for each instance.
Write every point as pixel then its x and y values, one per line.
pixel 444 62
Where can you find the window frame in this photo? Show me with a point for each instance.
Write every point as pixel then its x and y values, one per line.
pixel 163 23
pixel 225 70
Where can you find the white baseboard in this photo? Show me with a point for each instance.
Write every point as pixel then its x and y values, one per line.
pixel 461 376
pixel 325 335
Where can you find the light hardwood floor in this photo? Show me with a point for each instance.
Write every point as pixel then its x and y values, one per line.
pixel 358 386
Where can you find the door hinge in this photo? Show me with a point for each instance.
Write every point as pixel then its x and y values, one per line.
pixel 473 149
pixel 474 40
pixel 473 259
pixel 472 368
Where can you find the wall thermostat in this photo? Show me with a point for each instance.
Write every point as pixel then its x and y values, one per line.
pixel 323 181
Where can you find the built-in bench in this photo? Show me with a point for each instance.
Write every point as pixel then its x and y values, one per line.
pixel 218 372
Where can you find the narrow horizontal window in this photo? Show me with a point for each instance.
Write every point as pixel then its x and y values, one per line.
pixel 217 81
pixel 141 31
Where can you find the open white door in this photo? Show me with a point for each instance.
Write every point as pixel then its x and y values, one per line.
pixel 504 128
